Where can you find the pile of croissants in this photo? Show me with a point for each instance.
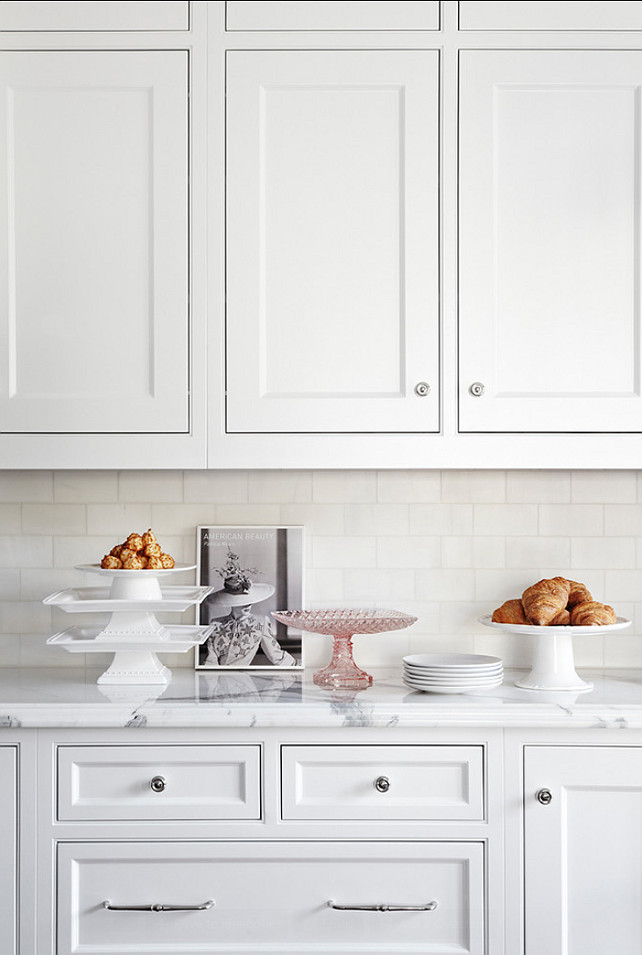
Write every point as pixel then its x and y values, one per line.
pixel 557 602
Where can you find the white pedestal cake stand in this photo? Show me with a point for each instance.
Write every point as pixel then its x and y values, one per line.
pixel 553 666
pixel 132 633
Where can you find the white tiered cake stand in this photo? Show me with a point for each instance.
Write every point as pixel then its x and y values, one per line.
pixel 553 666
pixel 132 633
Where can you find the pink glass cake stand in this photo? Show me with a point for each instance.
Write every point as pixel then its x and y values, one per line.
pixel 342 671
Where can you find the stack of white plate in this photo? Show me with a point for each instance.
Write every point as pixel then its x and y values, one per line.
pixel 452 672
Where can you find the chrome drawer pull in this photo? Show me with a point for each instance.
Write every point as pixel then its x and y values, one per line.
pixel 156 907
pixel 428 907
pixel 158 784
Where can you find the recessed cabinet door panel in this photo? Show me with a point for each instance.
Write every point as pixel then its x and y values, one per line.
pixel 549 241
pixel 8 855
pixel 271 897
pixel 55 15
pixel 332 296
pixel 93 252
pixel 550 15
pixel 583 850
pixel 333 15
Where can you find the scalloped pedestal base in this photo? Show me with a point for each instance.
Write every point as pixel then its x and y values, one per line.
pixel 342 672
pixel 136 669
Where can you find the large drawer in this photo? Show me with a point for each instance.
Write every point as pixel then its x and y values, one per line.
pixel 158 782
pixel 382 782
pixel 270 897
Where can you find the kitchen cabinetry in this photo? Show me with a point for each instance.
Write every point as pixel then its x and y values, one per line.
pixel 583 831
pixel 332 205
pixel 9 854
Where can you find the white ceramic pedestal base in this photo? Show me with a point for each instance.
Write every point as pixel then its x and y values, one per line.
pixel 136 669
pixel 553 666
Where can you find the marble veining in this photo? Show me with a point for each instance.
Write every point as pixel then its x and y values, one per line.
pixel 70 697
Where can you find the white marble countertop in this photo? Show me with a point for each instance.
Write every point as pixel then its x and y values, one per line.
pixel 70 697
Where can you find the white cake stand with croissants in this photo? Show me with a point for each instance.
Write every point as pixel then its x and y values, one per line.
pixel 553 666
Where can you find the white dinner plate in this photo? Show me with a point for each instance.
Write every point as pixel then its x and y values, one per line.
pixel 451 689
pixel 437 681
pixel 452 660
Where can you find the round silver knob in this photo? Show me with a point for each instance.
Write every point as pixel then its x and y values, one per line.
pixel 422 388
pixel 158 784
pixel 544 796
pixel 477 389
pixel 382 784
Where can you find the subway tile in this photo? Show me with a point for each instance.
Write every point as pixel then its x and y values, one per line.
pixel 344 552
pixel 150 487
pixel 408 487
pixel 494 586
pixel 118 520
pixel 324 519
pixel 54 519
pixel 26 551
pixel 410 552
pixel 442 584
pixel 24 616
pixel 9 649
pixel 35 652
pixel 473 487
pixel 553 552
pixel 325 584
pixel 215 487
pixel 574 520
pixel 603 487
pixel 20 486
pixel 10 584
pixel 85 487
pixel 345 487
pixel 382 520
pixel 181 519
pixel 505 520
pixel 457 552
pixel 621 585
pixel 603 552
pixel 248 514
pixel 450 519
pixel 10 518
pixel 538 487
pixel 383 587
pixel 489 551
pixel 38 583
pixel 280 487
pixel 623 520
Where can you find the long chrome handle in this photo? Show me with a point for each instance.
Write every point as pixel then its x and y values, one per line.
pixel 157 907
pixel 428 907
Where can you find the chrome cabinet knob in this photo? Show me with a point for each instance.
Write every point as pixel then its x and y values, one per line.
pixel 382 784
pixel 157 784
pixel 477 389
pixel 422 388
pixel 544 796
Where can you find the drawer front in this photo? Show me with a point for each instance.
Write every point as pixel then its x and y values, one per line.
pixel 270 898
pixel 382 782
pixel 158 782
pixel 71 15
pixel 549 15
pixel 333 15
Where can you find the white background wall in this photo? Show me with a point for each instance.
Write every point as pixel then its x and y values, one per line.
pixel 446 546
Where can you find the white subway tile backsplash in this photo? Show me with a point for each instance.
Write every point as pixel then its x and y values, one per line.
pixel 447 546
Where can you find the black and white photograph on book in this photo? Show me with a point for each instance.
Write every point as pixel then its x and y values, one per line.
pixel 253 571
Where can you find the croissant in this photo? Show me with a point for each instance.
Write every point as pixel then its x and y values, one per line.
pixel 579 593
pixel 511 611
pixel 544 600
pixel 561 619
pixel 592 613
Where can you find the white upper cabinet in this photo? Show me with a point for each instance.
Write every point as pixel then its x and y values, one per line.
pixel 549 205
pixel 332 244
pixel 550 15
pixel 93 252
pixel 75 15
pixel 332 15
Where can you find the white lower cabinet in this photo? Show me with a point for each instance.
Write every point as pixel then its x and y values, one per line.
pixel 583 838
pixel 270 897
pixel 8 850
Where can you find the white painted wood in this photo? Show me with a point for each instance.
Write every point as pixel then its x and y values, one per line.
pixel 200 782
pixel 550 15
pixel 425 782
pixel 549 305
pixel 57 15
pixel 94 323
pixel 332 15
pixel 271 897
pixel 9 852
pixel 582 852
pixel 332 278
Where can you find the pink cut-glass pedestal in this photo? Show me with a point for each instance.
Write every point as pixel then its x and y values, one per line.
pixel 342 671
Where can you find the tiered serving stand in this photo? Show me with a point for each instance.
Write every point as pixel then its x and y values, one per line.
pixel 132 633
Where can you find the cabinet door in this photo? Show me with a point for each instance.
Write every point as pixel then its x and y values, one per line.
pixel 8 855
pixel 583 850
pixel 549 15
pixel 549 241
pixel 93 252
pixel 332 294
